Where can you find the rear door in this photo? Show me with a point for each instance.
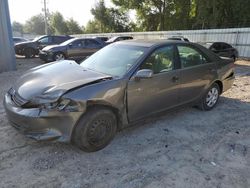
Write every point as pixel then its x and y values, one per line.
pixel 196 73
pixel 146 96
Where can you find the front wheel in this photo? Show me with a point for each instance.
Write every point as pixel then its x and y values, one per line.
pixel 95 130
pixel 29 52
pixel 211 98
pixel 59 56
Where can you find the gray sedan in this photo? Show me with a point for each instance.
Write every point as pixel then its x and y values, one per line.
pixel 122 83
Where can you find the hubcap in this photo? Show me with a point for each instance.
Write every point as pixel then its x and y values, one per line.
pixel 99 131
pixel 59 57
pixel 212 97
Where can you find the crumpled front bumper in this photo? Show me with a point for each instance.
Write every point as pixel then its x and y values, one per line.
pixel 41 124
pixel 45 56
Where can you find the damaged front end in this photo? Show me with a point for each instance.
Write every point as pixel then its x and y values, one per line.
pixel 45 117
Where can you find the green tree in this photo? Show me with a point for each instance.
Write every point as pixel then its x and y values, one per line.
pixel 17 27
pixel 160 15
pixel 58 23
pixel 35 25
pixel 93 26
pixel 221 13
pixel 108 19
pixel 73 27
pixel 100 13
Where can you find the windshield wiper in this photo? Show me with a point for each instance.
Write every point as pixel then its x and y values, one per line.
pixel 98 71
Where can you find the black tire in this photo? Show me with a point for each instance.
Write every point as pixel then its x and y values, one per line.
pixel 58 56
pixel 95 130
pixel 234 58
pixel 206 105
pixel 29 52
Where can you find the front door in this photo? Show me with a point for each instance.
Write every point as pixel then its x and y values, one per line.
pixel 146 96
pixel 75 48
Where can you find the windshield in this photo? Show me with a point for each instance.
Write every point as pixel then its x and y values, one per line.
pixel 68 42
pixel 112 39
pixel 37 38
pixel 114 60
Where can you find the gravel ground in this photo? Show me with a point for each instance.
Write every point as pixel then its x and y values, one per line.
pixel 182 148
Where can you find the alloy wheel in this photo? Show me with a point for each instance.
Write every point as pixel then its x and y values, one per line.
pixel 59 57
pixel 212 97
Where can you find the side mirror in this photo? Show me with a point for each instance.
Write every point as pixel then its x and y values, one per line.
pixel 144 74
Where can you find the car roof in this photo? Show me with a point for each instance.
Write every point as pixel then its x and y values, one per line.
pixel 151 43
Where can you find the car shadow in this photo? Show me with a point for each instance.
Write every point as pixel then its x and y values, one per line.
pixel 225 105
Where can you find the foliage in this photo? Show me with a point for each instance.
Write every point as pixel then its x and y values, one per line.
pixel 17 27
pixel 58 23
pixel 93 27
pixel 151 15
pixel 73 27
pixel 35 25
pixel 108 19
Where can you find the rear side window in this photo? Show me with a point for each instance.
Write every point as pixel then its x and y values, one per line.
pixel 59 40
pixel 91 43
pixel 190 57
pixel 225 46
pixel 216 46
pixel 77 44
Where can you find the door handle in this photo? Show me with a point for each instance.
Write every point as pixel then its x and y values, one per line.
pixel 175 78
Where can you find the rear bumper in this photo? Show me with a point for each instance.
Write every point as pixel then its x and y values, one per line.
pixel 228 82
pixel 41 124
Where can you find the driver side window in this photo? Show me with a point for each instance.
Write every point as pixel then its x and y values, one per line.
pixel 161 60
pixel 45 40
pixel 76 44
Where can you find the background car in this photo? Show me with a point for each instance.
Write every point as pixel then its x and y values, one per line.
pixel 31 48
pixel 104 39
pixel 118 38
pixel 19 39
pixel 76 49
pixel 223 49
pixel 181 38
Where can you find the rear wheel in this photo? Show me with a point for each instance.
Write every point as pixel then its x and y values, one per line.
pixel 29 52
pixel 95 130
pixel 59 56
pixel 211 98
pixel 234 58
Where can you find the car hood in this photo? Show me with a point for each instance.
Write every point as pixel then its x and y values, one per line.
pixel 24 43
pixel 57 76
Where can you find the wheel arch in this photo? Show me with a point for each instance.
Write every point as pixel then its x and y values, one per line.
pixel 100 104
pixel 103 104
pixel 220 84
pixel 60 52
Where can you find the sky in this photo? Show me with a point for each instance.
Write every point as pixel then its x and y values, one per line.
pixel 79 10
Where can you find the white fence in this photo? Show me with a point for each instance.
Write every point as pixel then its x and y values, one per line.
pixel 239 37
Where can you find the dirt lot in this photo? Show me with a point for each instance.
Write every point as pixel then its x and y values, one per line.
pixel 184 148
